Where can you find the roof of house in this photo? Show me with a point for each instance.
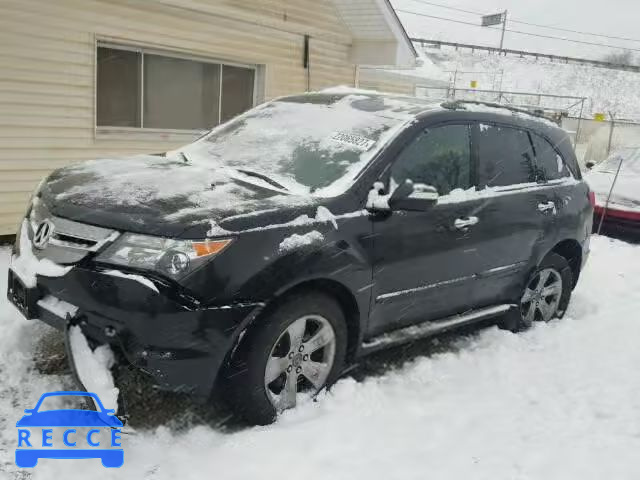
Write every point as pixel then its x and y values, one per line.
pixel 375 22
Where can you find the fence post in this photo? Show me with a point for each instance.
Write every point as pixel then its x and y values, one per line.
pixel 575 142
pixel 455 78
pixel 613 123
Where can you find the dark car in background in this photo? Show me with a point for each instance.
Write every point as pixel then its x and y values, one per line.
pixel 279 248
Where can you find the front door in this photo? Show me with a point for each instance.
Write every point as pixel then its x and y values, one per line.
pixel 425 262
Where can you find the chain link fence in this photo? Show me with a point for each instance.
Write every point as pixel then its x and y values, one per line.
pixel 595 140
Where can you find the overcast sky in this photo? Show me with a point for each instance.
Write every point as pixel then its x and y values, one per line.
pixel 619 18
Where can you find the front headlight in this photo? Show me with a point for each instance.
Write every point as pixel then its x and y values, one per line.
pixel 169 257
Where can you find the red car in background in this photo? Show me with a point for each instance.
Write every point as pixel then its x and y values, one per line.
pixel 622 210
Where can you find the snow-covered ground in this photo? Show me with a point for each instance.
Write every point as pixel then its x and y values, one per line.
pixel 561 401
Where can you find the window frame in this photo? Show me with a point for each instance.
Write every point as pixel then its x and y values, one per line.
pixel 169 134
pixel 532 135
pixel 514 186
pixel 423 128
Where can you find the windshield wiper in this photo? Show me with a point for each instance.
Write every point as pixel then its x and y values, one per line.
pixel 261 176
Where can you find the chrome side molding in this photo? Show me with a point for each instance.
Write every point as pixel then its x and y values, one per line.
pixel 432 327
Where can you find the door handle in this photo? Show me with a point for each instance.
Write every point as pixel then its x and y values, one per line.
pixel 547 207
pixel 465 223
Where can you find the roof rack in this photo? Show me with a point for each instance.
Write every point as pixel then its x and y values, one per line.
pixel 459 104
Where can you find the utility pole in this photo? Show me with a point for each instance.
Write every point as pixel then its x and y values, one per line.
pixel 504 26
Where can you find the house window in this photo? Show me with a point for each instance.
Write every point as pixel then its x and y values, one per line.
pixel 142 89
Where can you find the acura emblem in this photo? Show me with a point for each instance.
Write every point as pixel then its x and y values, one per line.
pixel 43 234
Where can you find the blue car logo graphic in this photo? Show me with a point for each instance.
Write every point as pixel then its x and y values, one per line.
pixel 28 453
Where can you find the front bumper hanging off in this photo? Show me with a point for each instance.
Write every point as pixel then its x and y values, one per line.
pixel 182 348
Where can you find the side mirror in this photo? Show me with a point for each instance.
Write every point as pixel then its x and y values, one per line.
pixel 589 165
pixel 415 197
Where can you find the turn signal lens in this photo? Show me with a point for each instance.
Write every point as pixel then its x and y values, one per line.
pixel 210 247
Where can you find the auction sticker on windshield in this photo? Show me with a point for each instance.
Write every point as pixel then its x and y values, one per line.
pixel 362 143
pixel 59 433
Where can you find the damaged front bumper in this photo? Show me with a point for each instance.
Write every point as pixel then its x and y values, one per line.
pixel 183 347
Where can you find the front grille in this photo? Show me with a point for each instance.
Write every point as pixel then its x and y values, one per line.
pixel 70 241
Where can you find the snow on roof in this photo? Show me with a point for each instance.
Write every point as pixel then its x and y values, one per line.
pixel 499 110
pixel 347 90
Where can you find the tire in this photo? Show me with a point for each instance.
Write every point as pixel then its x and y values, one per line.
pixel 261 374
pixel 545 296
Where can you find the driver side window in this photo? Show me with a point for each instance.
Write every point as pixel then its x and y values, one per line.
pixel 440 157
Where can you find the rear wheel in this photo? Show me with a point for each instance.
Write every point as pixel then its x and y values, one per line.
pixel 299 348
pixel 542 296
pixel 546 294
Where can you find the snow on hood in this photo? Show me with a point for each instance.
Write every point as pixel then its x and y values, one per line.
pixel 145 180
pixel 291 152
pixel 151 191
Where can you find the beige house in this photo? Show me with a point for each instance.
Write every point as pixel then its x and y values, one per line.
pixel 83 79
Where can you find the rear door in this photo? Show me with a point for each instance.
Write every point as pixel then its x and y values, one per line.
pixel 513 225
pixel 562 201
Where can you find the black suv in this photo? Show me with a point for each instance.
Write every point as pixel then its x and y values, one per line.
pixel 282 246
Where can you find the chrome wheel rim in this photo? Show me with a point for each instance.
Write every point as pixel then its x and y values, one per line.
pixel 300 360
pixel 542 296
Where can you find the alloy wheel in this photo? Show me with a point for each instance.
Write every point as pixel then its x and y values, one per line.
pixel 300 360
pixel 542 296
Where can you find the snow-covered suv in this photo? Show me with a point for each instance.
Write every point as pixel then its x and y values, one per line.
pixel 285 244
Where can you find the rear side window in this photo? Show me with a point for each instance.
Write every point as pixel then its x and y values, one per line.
pixel 506 156
pixel 440 157
pixel 549 163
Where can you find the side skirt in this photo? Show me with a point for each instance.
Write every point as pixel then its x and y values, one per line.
pixel 432 327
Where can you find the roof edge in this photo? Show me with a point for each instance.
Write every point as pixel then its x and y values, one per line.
pixel 400 26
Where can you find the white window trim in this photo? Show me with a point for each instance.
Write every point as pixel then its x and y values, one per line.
pixel 144 133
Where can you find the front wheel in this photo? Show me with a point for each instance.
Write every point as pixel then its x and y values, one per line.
pixel 299 348
pixel 546 294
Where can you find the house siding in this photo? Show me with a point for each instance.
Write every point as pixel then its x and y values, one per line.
pixel 47 70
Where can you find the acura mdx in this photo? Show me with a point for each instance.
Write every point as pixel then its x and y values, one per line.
pixel 279 248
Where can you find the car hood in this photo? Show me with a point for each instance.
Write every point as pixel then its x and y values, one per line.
pixel 167 196
pixel 625 194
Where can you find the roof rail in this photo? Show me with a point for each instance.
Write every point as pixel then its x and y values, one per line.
pixel 459 104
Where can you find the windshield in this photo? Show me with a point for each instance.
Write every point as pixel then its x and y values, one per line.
pixel 310 143
pixel 630 162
